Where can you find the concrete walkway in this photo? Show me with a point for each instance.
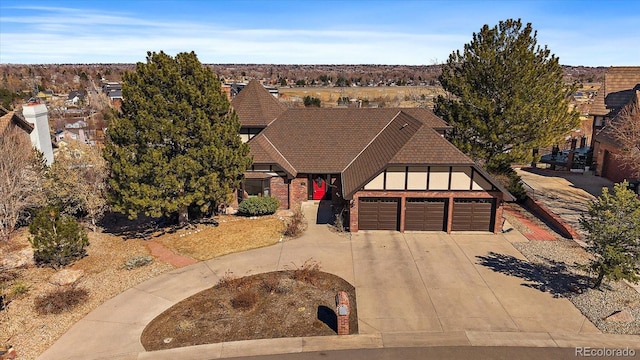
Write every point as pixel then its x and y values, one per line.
pixel 566 194
pixel 412 289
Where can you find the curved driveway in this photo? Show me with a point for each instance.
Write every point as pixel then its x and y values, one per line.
pixel 412 289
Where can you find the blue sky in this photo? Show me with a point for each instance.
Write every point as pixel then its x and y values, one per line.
pixel 419 32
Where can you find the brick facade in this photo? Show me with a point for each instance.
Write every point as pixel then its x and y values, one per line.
pixel 290 193
pixel 607 165
pixel 451 195
pixel 279 187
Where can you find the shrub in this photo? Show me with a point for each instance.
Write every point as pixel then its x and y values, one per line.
pixel 256 206
pixel 307 272
pixel 296 225
pixel 58 239
pixel 515 187
pixel 228 281
pixel 244 300
pixel 60 300
pixel 270 283
pixel 138 261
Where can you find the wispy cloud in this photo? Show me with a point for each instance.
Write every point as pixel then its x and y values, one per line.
pixel 69 35
pixel 49 34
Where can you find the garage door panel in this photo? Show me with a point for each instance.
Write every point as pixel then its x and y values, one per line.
pixel 425 214
pixel 378 213
pixel 473 215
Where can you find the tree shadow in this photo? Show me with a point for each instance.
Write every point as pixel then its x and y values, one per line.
pixel 329 317
pixel 554 277
pixel 146 227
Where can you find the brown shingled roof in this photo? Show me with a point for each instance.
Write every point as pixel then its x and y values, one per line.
pixel 264 152
pixel 620 82
pixel 255 106
pixel 376 155
pixel 429 147
pixel 325 140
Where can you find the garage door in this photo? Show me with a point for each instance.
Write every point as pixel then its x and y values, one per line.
pixel 473 215
pixel 425 214
pixel 378 213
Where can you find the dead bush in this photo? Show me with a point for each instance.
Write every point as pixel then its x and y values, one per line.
pixel 245 300
pixel 228 281
pixel 60 300
pixel 270 284
pixel 296 224
pixel 307 272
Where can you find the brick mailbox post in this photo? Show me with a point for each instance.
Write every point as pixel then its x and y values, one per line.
pixel 342 312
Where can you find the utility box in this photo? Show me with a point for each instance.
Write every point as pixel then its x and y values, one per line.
pixel 342 312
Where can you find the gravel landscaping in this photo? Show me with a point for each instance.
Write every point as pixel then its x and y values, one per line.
pixel 557 266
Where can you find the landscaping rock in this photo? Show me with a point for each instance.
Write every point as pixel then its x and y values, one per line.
pixel 66 277
pixel 620 316
pixel 18 259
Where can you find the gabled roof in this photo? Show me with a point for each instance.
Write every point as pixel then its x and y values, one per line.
pixel 380 150
pixel 325 140
pixel 255 106
pixel 620 83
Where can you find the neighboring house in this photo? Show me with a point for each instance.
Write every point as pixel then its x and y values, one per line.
pixel 35 122
pixel 388 168
pixel 607 147
pixel 63 136
pixel 78 124
pixel 75 97
pixel 621 86
pixel 113 90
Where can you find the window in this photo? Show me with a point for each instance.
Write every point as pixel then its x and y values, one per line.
pixel 256 187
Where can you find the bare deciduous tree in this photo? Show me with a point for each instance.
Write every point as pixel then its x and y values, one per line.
pixel 20 179
pixel 625 128
pixel 76 182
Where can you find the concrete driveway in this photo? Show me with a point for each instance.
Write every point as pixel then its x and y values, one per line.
pixel 412 289
pixel 436 282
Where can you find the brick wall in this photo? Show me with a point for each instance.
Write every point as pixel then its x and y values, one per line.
pixel 299 191
pixel 451 195
pixel 279 188
pixel 612 168
pixel 290 193
pixel 554 220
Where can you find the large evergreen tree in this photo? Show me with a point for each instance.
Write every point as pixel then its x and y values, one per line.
pixel 176 145
pixel 507 95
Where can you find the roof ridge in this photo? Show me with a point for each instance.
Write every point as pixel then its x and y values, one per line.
pixel 371 141
pixel 279 153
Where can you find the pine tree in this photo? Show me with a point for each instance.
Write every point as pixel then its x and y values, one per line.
pixel 507 95
pixel 613 224
pixel 57 239
pixel 176 145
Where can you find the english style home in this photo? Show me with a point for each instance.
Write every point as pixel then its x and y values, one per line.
pixel 387 168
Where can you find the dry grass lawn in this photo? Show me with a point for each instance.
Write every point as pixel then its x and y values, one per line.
pixel 402 96
pixel 233 234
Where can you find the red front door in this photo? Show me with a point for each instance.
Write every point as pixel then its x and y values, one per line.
pixel 319 187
